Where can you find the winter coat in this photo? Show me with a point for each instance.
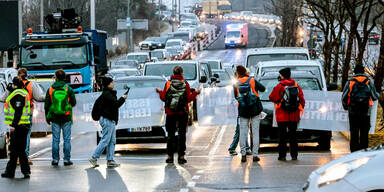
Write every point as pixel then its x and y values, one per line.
pixel 110 104
pixel 48 102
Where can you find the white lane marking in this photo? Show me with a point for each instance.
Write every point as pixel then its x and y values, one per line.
pixel 196 177
pixel 191 184
pixel 218 141
pixel 200 172
pixel 41 152
pixel 184 190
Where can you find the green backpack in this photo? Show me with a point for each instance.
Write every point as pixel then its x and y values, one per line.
pixel 60 102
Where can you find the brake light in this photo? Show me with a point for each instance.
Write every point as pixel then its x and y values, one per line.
pixel 29 31
pixel 79 29
pixel 377 36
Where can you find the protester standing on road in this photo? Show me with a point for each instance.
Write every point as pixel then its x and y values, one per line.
pixel 177 96
pixel 289 103
pixel 358 96
pixel 108 108
pixel 35 94
pixel 59 101
pixel 250 108
pixel 17 112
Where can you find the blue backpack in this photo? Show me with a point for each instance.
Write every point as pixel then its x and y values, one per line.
pixel 249 103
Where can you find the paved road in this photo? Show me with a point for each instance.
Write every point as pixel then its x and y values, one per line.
pixel 209 167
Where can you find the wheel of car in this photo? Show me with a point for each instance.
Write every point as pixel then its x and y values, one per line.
pixel 325 140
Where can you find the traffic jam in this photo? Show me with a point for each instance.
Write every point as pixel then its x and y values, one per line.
pixel 206 101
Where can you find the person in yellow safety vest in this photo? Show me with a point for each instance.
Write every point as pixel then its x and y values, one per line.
pixel 17 112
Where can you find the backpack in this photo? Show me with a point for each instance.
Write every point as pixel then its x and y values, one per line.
pixel 290 101
pixel 175 98
pixel 249 103
pixel 96 109
pixel 60 101
pixel 360 94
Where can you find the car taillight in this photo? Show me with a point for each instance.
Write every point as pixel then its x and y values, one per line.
pixel 377 36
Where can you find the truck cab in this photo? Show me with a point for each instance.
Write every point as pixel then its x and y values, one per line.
pixel 236 35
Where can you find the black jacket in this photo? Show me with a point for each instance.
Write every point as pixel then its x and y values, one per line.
pixel 110 104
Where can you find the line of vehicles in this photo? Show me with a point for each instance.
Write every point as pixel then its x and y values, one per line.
pixel 249 16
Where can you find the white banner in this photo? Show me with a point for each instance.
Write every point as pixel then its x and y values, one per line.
pixel 143 108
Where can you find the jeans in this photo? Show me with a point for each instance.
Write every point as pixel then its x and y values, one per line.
pixel 56 129
pixel 235 141
pixel 173 123
pixel 108 140
pixel 292 126
pixel 28 137
pixel 244 128
pixel 359 128
pixel 17 151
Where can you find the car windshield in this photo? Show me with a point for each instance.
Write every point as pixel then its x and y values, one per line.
pixel 54 57
pixel 139 58
pixel 173 43
pixel 126 64
pixel 233 34
pixel 158 54
pixel 167 70
pixel 254 59
pixel 145 83
pixel 183 36
pixel 123 73
pixel 304 83
pixel 214 64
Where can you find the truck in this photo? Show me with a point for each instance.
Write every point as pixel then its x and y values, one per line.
pixel 214 8
pixel 224 7
pixel 81 54
pixel 236 35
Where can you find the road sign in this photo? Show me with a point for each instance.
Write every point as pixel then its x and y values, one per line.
pixel 141 24
pixel 128 22
pixel 121 24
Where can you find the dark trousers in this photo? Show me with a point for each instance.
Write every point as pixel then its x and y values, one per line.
pixel 17 151
pixel 359 125
pixel 175 123
pixel 291 126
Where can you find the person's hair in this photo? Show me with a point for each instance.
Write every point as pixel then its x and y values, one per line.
pixel 22 73
pixel 60 75
pixel 359 69
pixel 18 82
pixel 241 71
pixel 178 70
pixel 285 72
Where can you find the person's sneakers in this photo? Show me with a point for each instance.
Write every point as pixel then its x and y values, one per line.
pixel 181 160
pixel 68 163
pixel 243 158
pixel 93 161
pixel 27 176
pixel 30 162
pixel 169 159
pixel 112 163
pixel 54 163
pixel 256 158
pixel 232 152
pixel 248 153
pixel 281 159
pixel 294 158
pixel 7 175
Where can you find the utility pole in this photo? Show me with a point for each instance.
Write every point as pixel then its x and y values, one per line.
pixel 159 15
pixel 41 15
pixel 92 14
pixel 179 12
pixel 129 28
pixel 173 14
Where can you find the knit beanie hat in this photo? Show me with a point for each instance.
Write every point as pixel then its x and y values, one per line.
pixel 106 81
pixel 285 72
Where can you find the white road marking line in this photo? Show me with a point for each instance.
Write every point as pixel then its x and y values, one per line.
pixel 218 141
pixel 200 172
pixel 196 177
pixel 191 184
pixel 184 190
pixel 41 152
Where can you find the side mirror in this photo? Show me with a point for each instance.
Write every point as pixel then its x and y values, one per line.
pixel 332 87
pixel 213 79
pixel 216 76
pixel 203 79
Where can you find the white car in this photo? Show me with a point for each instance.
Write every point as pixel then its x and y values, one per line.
pixel 7 74
pixel 359 171
pixel 141 57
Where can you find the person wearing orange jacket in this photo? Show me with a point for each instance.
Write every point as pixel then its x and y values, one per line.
pixel 358 96
pixel 287 119
pixel 177 96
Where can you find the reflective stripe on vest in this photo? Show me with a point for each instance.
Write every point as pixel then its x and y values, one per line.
pixel 352 83
pixel 50 94
pixel 9 111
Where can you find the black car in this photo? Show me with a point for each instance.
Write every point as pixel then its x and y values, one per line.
pixel 152 43
pixel 268 133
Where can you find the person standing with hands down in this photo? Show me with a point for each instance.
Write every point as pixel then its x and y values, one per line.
pixel 17 112
pixel 177 96
pixel 289 103
pixel 106 110
pixel 59 101
pixel 250 108
pixel 358 96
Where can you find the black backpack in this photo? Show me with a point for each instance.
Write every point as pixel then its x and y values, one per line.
pixel 249 103
pixel 97 108
pixel 175 98
pixel 290 101
pixel 360 94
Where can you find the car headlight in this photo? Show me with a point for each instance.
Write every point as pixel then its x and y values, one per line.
pixel 140 43
pixel 340 170
pixel 159 44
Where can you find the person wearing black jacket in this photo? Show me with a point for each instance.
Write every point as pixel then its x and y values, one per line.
pixel 109 116
pixel 17 110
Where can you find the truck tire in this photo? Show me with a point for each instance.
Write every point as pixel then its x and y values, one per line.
pixel 325 140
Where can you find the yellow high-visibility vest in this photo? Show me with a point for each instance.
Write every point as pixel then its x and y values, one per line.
pixel 9 111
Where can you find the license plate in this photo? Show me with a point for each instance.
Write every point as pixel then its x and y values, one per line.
pixel 140 129
pixel 298 129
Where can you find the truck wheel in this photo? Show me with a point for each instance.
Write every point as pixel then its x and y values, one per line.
pixel 325 140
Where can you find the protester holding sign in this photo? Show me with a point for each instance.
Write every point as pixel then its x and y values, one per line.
pixel 177 96
pixel 59 101
pixel 289 103
pixel 250 108
pixel 358 96
pixel 106 110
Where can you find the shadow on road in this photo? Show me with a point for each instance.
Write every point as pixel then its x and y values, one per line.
pixel 111 182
